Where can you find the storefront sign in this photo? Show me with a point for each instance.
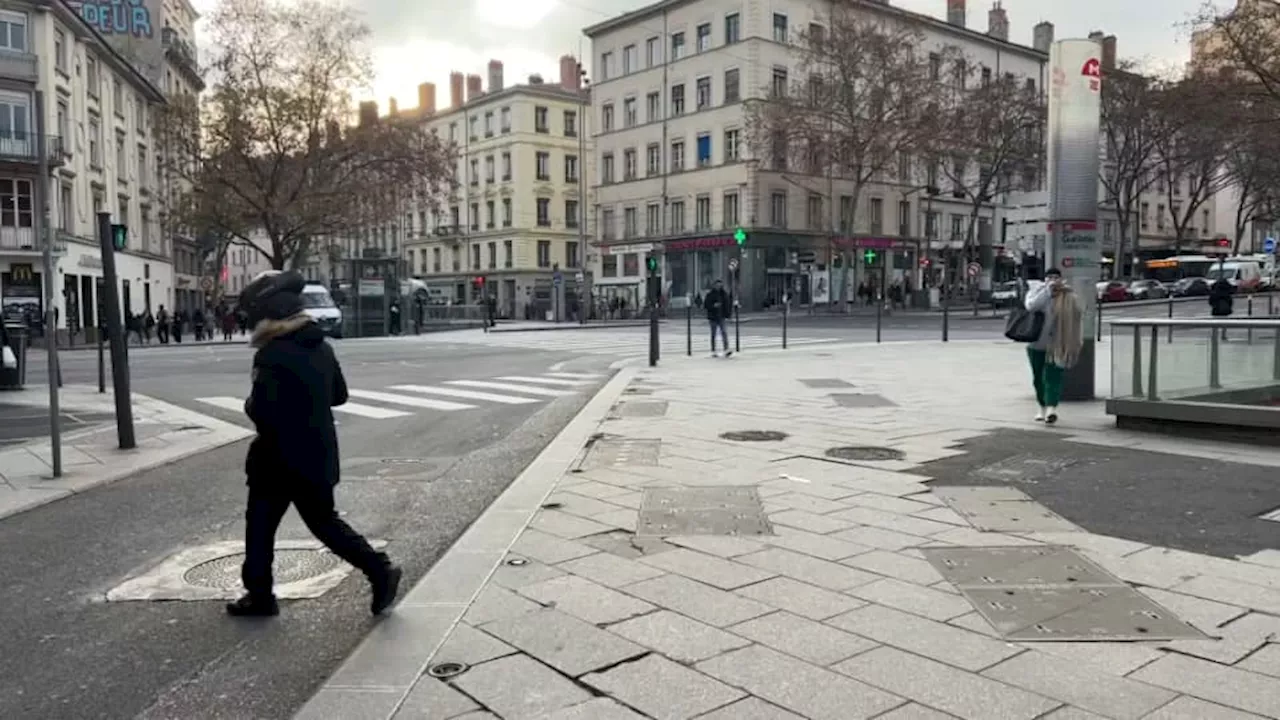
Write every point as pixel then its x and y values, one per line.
pixel 626 249
pixel 89 261
pixel 699 243
pixel 878 243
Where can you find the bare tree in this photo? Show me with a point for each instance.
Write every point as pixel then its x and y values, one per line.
pixel 1130 125
pixel 859 103
pixel 1192 145
pixel 990 130
pixel 277 155
pixel 1244 42
pixel 1252 162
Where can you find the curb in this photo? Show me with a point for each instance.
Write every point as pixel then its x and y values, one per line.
pixel 447 590
pixel 572 326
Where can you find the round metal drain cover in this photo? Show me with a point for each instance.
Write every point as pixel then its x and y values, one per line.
pixel 290 566
pixel 447 670
pixel 754 436
pixel 854 452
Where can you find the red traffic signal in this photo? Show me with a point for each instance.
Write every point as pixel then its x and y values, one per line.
pixel 1223 242
pixel 478 281
pixel 924 262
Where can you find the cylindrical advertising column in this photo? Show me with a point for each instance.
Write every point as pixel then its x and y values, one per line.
pixel 1075 112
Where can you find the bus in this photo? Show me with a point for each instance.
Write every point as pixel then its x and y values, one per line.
pixel 1171 269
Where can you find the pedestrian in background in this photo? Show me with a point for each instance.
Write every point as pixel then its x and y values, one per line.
pixel 1221 301
pixel 297 382
pixel 162 325
pixel 717 304
pixel 1058 347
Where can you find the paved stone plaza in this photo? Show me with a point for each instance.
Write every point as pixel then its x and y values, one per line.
pixel 647 567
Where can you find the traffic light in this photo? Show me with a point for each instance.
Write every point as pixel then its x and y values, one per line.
pixel 924 262
pixel 1223 243
pixel 478 281
pixel 740 236
pixel 119 236
pixel 651 263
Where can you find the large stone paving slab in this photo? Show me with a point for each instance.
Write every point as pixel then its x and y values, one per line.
pixel 1002 510
pixel 702 511
pixel 518 686
pixel 663 689
pixel 565 643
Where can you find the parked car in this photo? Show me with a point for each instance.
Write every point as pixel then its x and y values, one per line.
pixel 1114 291
pixel 1191 287
pixel 1147 290
pixel 1006 293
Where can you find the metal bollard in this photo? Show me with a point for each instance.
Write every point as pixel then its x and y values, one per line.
pixel 1249 333
pixel 1098 322
pixel 1171 317
pixel 688 329
pixel 737 333
pixel 786 303
pixel 102 365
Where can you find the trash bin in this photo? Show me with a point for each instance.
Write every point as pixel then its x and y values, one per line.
pixel 15 338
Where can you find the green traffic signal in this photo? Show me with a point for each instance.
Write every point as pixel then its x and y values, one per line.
pixel 652 263
pixel 119 236
pixel 740 236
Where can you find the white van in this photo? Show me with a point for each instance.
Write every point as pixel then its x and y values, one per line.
pixel 317 303
pixel 1245 275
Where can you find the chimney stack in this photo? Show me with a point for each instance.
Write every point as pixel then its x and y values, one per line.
pixel 570 79
pixel 495 76
pixel 427 99
pixel 998 22
pixel 393 108
pixel 368 113
pixel 1042 36
pixel 1109 52
pixel 475 87
pixel 456 81
pixel 955 12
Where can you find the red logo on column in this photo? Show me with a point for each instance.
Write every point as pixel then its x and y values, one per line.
pixel 1093 70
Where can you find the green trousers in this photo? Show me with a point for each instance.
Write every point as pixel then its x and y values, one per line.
pixel 1046 377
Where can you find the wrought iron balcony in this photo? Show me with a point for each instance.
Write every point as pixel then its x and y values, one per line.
pixel 25 148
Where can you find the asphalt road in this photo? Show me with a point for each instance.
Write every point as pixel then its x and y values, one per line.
pixel 69 654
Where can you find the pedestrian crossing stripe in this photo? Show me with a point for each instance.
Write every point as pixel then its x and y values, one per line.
pixel 350 408
pixel 488 385
pixel 465 394
pixel 417 402
pixel 544 381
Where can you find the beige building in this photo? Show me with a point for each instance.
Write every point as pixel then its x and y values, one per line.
pixel 183 81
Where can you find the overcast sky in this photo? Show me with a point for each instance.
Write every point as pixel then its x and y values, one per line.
pixel 418 41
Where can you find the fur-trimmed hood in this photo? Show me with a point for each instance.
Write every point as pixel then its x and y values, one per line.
pixel 267 330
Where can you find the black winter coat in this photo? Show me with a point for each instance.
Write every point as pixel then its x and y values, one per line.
pixel 717 304
pixel 296 384
pixel 1220 299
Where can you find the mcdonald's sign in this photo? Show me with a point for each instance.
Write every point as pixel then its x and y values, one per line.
pixel 21 274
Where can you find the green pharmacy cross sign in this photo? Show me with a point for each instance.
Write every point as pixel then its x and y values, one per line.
pixel 740 236
pixel 870 256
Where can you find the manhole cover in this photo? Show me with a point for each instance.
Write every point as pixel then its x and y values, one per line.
pixel 754 436
pixel 666 512
pixel 607 452
pixel 447 670
pixel 290 566
pixel 855 452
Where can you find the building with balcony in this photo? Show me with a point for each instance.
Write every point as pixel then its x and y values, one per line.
pixel 183 82
pixel 94 131
pixel 515 217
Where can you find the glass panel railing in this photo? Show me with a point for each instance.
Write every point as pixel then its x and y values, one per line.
pixel 1159 359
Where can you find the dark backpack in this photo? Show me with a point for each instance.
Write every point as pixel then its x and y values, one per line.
pixel 1024 325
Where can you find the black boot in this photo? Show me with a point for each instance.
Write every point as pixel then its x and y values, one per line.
pixel 384 587
pixel 254 606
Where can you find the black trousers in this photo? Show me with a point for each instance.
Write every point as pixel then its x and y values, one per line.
pixel 267 506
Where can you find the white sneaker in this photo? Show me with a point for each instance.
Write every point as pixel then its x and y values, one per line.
pixel 1052 417
pixel 715 353
pixel 1040 415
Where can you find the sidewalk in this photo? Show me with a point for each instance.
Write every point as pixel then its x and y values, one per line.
pixel 668 572
pixel 165 433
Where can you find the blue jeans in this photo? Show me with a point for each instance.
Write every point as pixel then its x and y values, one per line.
pixel 724 334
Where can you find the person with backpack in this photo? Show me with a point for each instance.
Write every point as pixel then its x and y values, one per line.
pixel 1053 329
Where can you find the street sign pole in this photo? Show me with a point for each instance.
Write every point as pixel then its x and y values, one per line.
pixel 115 331
pixel 688 324
pixel 45 236
pixel 880 300
pixel 737 287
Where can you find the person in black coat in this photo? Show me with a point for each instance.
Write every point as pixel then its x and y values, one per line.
pixel 719 308
pixel 1220 300
pixel 294 459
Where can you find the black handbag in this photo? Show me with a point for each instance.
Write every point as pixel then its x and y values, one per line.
pixel 1024 325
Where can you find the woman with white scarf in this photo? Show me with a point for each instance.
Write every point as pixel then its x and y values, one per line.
pixel 1058 346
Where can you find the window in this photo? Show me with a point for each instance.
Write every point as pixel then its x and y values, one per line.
pixel 677 45
pixel 64 125
pixel 475 257
pixel 474 177
pixel 493 255
pixel 117 97
pixel 140 115
pixel 606 168
pixel 703 92
pixel 99 202
pixel 653 51
pixel 488 124
pixel 66 209
pixel 960 69
pixel 1160 217
pixel 142 167
pixel 779 27
pixel 571 254
pixel 570 123
pixel 677 155
pixel 571 213
pixel 504 119
pixel 608 227
pixel 15 204
pixel 779 87
pixel 506 212
pixel 877 216
pixel 704 150
pixel 729 210
pixel 506 166
pixel 475 128
pixel 571 168
pixel 606 59
pixel 631 264
pixel 540 119
pixel 1204 217
pixel 453 132
pixel 704 37
pixel 90 75
pixel 957 226
pixel 543 165
pixel 435 259
pixel 677 216
pixel 60 50
pixel 732 29
pixel 814 212
pixel 490 216
pixel 456 261
pixel 935 66
pixel 778 209
pixel 653 164
pixel 732 145
pixel 488 169
pixel 702 212
pixel 13 31
pixel 609 266
pixel 95 143
pixel 904 167
pixel 677 99
pixel 544 253
pixel 629 164
pixel 904 218
pixel 629 112
pixel 629 58
pixel 606 117
pixel 475 220
pixel 544 212
pixel 653 220
pixel 507 254
pixel 986 77
pixel 816 35
pixel 731 83
pixel 122 207
pixel 654 101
